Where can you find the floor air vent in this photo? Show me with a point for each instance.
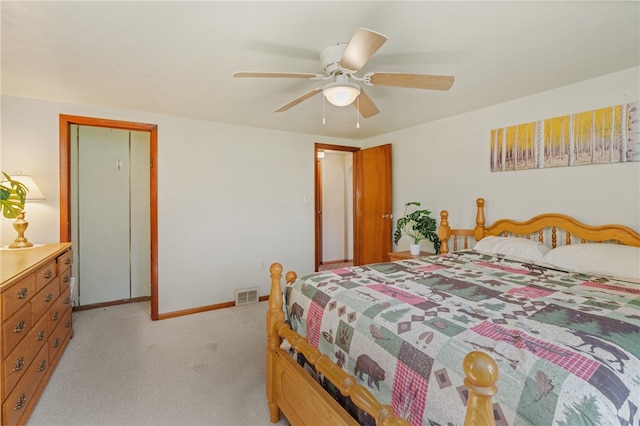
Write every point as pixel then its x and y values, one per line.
pixel 245 296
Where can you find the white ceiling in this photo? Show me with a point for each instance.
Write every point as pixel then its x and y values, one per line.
pixel 178 58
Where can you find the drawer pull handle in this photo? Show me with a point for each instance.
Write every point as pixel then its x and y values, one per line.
pixel 67 324
pixel 48 274
pixel 41 336
pixel 20 327
pixel 54 317
pixel 56 343
pixel 43 365
pixel 19 364
pixel 66 279
pixel 48 298
pixel 23 293
pixel 22 401
pixel 67 300
pixel 67 260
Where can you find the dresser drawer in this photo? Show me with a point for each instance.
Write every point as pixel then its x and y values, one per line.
pixel 45 298
pixel 15 329
pixel 60 335
pixel 65 279
pixel 46 274
pixel 14 365
pixel 58 310
pixel 14 406
pixel 64 261
pixel 17 295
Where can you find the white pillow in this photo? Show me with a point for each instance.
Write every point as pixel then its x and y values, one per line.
pixel 513 247
pixel 613 260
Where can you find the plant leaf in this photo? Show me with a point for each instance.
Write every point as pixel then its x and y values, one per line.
pixel 418 225
pixel 12 197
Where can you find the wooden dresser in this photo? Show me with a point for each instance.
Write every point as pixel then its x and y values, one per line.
pixel 35 310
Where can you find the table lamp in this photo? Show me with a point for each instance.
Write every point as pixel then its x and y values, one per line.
pixel 20 225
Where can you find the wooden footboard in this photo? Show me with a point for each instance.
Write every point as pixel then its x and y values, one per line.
pixel 303 401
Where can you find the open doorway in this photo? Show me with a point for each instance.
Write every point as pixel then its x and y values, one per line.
pixel 371 209
pixel 334 205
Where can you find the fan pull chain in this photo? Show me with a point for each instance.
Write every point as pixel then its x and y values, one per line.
pixel 358 112
pixel 323 107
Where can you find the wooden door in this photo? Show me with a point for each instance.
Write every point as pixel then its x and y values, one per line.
pixel 373 221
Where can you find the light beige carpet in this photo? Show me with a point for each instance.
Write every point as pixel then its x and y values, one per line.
pixel 121 368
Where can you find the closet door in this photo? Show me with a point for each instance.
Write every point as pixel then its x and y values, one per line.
pixel 103 214
pixel 140 215
pixel 112 227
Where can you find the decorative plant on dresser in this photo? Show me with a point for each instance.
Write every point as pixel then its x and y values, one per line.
pixel 419 225
pixel 13 194
pixel 35 310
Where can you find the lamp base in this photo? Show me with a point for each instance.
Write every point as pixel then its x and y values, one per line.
pixel 20 225
pixel 21 244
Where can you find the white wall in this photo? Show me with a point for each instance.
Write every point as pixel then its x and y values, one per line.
pixel 445 164
pixel 230 198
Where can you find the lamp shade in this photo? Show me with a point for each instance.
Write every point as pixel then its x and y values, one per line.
pixel 341 93
pixel 33 193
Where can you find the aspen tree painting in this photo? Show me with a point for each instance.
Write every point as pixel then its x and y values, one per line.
pixel 605 135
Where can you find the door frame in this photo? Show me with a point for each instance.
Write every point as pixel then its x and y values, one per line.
pixel 317 172
pixel 65 184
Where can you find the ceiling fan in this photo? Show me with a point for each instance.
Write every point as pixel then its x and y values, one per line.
pixel 340 63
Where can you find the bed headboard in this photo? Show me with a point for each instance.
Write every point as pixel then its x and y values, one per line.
pixel 460 239
pixel 551 229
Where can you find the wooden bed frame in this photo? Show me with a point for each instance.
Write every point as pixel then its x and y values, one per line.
pixel 292 391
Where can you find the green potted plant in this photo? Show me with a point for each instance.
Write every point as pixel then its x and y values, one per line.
pixel 12 197
pixel 418 225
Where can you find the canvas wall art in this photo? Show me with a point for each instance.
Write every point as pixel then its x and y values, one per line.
pixel 602 136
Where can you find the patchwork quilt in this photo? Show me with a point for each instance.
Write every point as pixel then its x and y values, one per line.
pixel 567 345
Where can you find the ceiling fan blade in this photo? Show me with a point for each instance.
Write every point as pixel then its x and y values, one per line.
pixel 365 105
pixel 412 81
pixel 363 45
pixel 277 74
pixel 299 99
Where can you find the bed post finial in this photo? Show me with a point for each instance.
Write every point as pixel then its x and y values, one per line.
pixel 290 277
pixel 444 232
pixel 481 373
pixel 275 268
pixel 478 231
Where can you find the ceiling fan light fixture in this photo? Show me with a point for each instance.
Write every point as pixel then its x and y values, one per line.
pixel 341 93
pixel 341 62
